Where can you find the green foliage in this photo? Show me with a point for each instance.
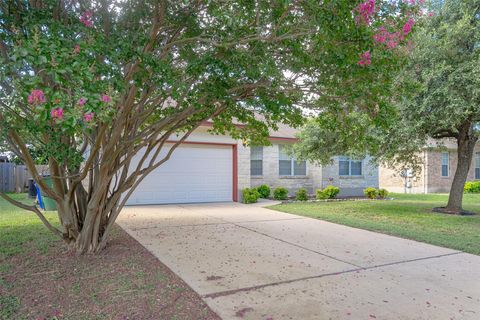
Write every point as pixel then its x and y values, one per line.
pixel 371 193
pixel 382 193
pixel 280 193
pixel 301 195
pixel 58 57
pixel 250 195
pixel 330 192
pixel 264 191
pixel 433 93
pixel 39 156
pixel 319 195
pixel 472 187
pixel 114 82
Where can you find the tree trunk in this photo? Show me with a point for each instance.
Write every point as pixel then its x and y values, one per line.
pixel 466 144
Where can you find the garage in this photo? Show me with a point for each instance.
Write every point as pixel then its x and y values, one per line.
pixel 196 172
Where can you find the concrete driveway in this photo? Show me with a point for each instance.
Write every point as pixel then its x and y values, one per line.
pixel 249 262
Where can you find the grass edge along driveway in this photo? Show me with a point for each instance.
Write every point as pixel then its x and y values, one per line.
pixel 40 279
pixel 407 215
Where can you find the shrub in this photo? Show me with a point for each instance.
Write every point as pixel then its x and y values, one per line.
pixel 320 195
pixel 370 192
pixel 331 192
pixel 264 191
pixel 280 193
pixel 301 195
pixel 472 187
pixel 382 193
pixel 250 195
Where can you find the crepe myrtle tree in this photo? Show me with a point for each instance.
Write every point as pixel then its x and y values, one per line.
pixel 435 95
pixel 103 86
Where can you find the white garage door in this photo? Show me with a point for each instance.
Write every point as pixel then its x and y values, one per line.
pixel 194 173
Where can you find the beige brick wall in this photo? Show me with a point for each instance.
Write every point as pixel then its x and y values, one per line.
pixel 271 176
pixel 392 180
pixel 351 186
pixel 430 180
pixel 437 183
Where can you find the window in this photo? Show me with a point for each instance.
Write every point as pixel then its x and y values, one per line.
pixel 288 166
pixel 349 167
pixel 256 161
pixel 477 165
pixel 445 164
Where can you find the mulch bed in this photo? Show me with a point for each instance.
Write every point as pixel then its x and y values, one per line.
pixel 123 282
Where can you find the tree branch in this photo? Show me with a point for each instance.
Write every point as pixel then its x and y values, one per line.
pixel 33 209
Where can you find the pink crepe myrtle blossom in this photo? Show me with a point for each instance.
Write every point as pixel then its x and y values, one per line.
pixel 365 59
pixel 87 117
pixel 57 113
pixel 105 98
pixel 382 35
pixel 392 44
pixel 76 49
pixel 407 27
pixel 430 14
pixel 36 97
pixel 365 11
pixel 82 101
pixel 86 19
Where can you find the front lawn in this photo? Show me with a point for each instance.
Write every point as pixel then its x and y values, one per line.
pixel 41 279
pixel 407 216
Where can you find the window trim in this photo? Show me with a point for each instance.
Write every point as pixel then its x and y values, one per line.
pixel 292 165
pixel 448 164
pixel 251 174
pixel 349 160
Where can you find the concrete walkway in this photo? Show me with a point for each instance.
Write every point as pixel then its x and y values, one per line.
pixel 249 262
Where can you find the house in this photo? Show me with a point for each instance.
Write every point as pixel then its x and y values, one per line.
pixel 216 168
pixel 437 170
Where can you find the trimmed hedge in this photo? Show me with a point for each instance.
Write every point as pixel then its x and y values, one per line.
pixel 373 193
pixel 280 193
pixel 301 195
pixel 330 192
pixel 382 193
pixel 250 195
pixel 472 187
pixel 264 191
pixel 370 193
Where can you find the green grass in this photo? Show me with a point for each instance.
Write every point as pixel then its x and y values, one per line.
pixel 407 216
pixel 20 228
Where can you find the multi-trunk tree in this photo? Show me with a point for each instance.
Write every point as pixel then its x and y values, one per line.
pixel 102 86
pixel 436 95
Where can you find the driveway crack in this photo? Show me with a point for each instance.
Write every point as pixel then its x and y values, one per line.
pixel 234 291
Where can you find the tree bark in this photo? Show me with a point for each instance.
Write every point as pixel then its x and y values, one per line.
pixel 466 141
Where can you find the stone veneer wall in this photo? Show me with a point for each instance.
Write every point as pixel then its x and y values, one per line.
pixel 351 186
pixel 243 154
pixel 271 177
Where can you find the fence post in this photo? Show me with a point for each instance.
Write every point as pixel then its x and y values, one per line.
pixel 7 178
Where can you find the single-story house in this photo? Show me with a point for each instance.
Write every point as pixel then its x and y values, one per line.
pixel 216 168
pixel 436 172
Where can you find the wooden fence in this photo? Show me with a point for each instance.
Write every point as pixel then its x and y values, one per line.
pixel 14 178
